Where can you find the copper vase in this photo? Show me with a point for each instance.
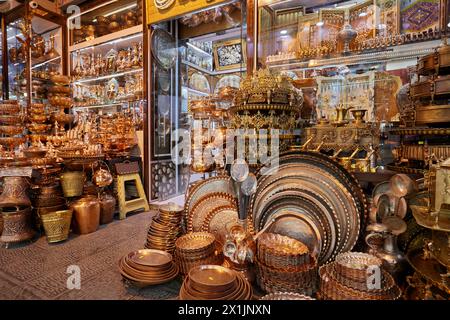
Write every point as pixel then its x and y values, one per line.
pixel 108 206
pixel 14 192
pixel 86 212
pixel 17 225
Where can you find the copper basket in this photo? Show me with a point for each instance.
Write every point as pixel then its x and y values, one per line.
pixel 57 225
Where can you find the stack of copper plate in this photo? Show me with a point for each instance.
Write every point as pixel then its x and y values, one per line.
pixel 148 267
pixel 165 228
pixel 212 282
pixel 285 265
pixel 348 278
pixel 194 249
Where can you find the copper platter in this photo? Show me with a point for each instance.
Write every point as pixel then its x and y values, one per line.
pixel 151 258
pixel 204 187
pixel 346 222
pixel 214 277
pixel 204 206
pixel 218 219
pixel 298 222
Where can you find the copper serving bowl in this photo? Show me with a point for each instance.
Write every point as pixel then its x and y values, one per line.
pixel 11 120
pixel 60 79
pixel 60 101
pixel 11 130
pixel 38 118
pixel 38 127
pixel 63 118
pixel 59 89
pixel 102 20
pixel 34 152
pixel 9 108
pixel 12 141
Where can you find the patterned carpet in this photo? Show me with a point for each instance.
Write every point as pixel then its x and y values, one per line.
pixel 38 270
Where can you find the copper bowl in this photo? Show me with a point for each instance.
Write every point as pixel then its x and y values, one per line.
pixel 89 30
pixel 38 118
pixel 9 108
pixel 60 101
pixel 60 89
pixel 11 130
pixel 12 141
pixel 38 127
pixel 114 26
pixel 102 20
pixel 63 118
pixel 11 120
pixel 60 79
pixel 35 153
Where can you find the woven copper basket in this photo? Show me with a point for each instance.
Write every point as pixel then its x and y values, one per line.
pixel 57 225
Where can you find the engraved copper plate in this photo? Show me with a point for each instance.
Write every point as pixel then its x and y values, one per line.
pixel 212 276
pixel 150 257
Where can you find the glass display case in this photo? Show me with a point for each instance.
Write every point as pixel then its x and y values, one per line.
pixel 46 55
pixel 194 58
pixel 351 59
pixel 107 59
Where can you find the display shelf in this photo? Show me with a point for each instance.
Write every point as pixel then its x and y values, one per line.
pixel 420 131
pixel 111 38
pixel 401 52
pixel 213 73
pixel 197 92
pixel 201 52
pixel 109 76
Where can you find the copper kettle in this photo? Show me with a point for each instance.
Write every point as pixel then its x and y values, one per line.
pixel 102 178
pixel 86 212
pixel 14 192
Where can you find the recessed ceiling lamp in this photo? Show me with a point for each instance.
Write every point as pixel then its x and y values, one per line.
pixel 319 24
pixel 283 32
pixel 363 14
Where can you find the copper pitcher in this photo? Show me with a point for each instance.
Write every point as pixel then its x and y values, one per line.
pixel 86 212
pixel 17 224
pixel 14 192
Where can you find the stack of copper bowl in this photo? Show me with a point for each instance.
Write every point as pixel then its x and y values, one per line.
pixel 165 228
pixel 194 249
pixel 285 265
pixel 353 277
pixel 11 124
pixel 48 198
pixel 212 282
pixel 148 267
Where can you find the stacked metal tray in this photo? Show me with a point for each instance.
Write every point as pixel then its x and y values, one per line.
pixel 311 198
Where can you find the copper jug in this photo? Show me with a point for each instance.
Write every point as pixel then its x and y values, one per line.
pixel 86 212
pixel 14 192
pixel 17 224
pixel 108 207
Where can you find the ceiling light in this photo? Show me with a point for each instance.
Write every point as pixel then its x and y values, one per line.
pixel 319 24
pixel 283 32
pixel 363 14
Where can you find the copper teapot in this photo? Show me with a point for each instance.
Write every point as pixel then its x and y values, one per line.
pixel 102 177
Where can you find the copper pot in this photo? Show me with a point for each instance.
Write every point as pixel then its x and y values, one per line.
pixel 17 224
pixel 102 178
pixel 87 214
pixel 108 206
pixel 14 192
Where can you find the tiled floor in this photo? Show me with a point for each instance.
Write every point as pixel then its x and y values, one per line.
pixel 38 270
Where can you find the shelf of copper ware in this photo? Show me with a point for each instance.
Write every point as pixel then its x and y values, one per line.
pixel 401 52
pixel 110 38
pixel 405 169
pixel 420 131
pixel 104 105
pixel 199 50
pixel 39 62
pixel 108 76
pixel 213 73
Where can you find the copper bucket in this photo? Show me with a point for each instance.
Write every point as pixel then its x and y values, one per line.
pixel 17 224
pixel 72 183
pixel 86 212
pixel 14 192
pixel 57 225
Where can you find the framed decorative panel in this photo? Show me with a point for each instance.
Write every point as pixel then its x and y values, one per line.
pixel 387 16
pixel 230 54
pixel 419 15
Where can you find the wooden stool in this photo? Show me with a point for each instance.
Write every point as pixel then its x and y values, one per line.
pixel 129 172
